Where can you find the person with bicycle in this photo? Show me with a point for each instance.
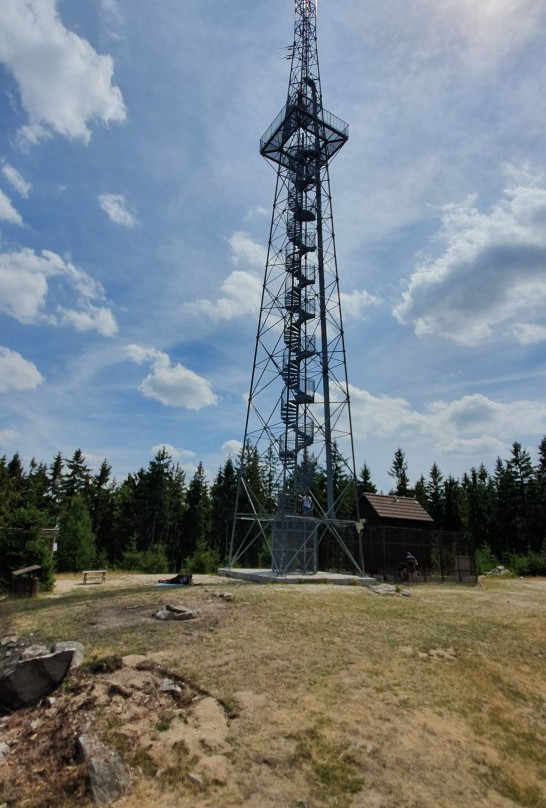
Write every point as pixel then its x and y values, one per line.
pixel 411 565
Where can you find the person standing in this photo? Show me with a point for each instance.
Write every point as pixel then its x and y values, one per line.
pixel 307 504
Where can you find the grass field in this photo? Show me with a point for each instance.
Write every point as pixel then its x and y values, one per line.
pixel 329 696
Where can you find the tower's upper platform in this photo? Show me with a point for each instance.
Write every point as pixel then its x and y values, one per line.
pixel 326 132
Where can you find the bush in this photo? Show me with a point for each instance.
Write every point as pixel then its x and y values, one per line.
pixel 486 560
pixel 152 560
pixel 203 559
pixel 530 564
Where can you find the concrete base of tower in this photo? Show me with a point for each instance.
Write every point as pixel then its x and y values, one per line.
pixel 264 576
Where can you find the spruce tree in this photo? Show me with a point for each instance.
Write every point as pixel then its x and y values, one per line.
pixel 365 480
pixel 399 471
pixel 76 542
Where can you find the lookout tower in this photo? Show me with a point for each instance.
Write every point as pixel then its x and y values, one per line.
pixel 297 462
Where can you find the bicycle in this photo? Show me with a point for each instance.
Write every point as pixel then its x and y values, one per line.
pixel 402 576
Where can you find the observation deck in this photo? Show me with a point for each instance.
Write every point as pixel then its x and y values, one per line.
pixel 302 113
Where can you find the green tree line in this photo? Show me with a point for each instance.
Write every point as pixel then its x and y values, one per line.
pixel 158 520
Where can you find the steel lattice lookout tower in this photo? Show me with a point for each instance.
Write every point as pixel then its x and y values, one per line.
pixel 298 418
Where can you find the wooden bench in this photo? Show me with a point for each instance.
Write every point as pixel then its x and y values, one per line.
pixel 94 575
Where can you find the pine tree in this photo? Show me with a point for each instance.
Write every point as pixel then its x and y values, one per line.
pixel 77 481
pixel 222 495
pixel 22 545
pixel 76 543
pixel 365 480
pixel 455 516
pixel 480 496
pixel 435 495
pixel 421 492
pixel 101 497
pixel 197 519
pixel 399 471
pixel 537 502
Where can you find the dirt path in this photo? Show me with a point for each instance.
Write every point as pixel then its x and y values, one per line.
pixel 66 582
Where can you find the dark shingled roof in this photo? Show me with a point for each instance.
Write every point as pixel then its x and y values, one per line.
pixel 393 507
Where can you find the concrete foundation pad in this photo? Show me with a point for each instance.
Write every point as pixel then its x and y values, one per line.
pixel 265 576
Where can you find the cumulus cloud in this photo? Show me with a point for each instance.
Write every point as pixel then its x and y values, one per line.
pixel 93 318
pixel 489 282
pixel 25 289
pixel 232 447
pixel 240 293
pixel 247 252
pixel 63 82
pixel 177 454
pixel 114 206
pixel 355 304
pixel 170 383
pixel 16 180
pixel 473 424
pixel 17 373
pixel 7 211
pixel 241 296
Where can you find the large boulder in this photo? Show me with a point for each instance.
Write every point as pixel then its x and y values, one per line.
pixel 28 680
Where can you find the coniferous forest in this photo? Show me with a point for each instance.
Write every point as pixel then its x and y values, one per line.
pixel 159 520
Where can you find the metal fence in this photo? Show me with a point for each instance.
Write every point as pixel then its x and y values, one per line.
pixel 442 555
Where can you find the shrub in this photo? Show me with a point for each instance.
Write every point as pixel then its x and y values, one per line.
pixel 203 559
pixel 152 560
pixel 530 564
pixel 486 560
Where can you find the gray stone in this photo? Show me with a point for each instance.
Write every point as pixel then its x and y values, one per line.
pixel 383 589
pixel 108 777
pixel 71 645
pixel 30 679
pixel 4 751
pixel 168 686
pixel 32 651
pixel 11 639
pixel 167 614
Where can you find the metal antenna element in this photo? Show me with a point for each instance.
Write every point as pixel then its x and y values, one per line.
pixel 297 462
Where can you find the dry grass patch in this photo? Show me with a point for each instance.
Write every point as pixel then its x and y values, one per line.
pixel 333 698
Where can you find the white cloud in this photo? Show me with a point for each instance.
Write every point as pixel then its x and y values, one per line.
pixel 176 454
pixel 17 373
pixel 242 294
pixel 257 212
pixel 7 211
pixel 93 318
pixel 25 279
pixel 472 425
pixel 171 384
pixel 16 180
pixel 490 281
pixel 114 206
pixel 63 82
pixel 246 251
pixel 355 304
pixel 231 447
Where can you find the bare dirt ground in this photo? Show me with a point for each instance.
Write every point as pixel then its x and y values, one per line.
pixel 300 696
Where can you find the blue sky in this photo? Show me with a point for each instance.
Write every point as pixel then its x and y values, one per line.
pixel 134 216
